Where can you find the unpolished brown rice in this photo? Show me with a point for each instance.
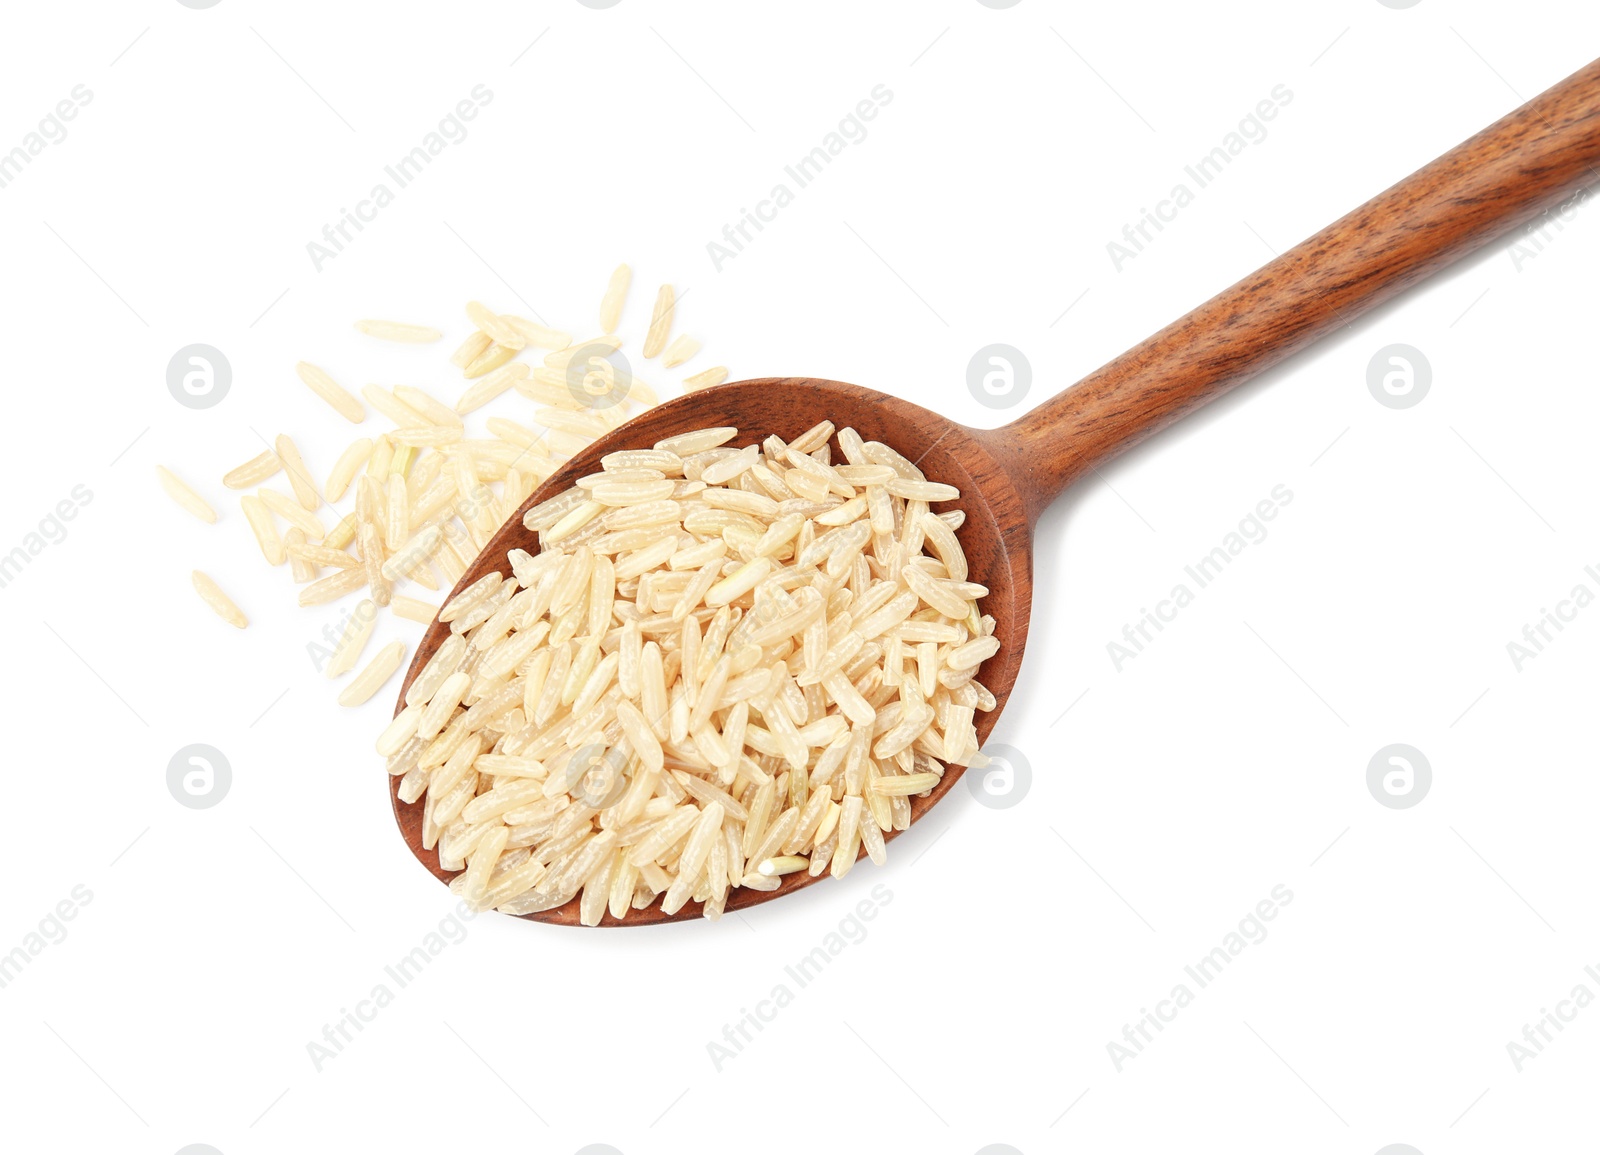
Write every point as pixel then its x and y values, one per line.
pixel 325 387
pixel 392 407
pixel 292 513
pixel 413 609
pixel 681 349
pixel 222 605
pixel 660 322
pixel 395 331
pixel 180 492
pixel 253 472
pixel 438 492
pixel 305 489
pixel 347 466
pixel 693 686
pixel 716 375
pixel 616 293
pixel 371 679
pixel 265 529
pixel 353 640
pixel 294 545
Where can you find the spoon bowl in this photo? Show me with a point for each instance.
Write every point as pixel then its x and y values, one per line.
pixel 996 537
pixel 1522 165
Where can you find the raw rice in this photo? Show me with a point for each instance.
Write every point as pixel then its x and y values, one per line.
pixel 713 376
pixel 655 339
pixel 491 359
pixel 301 569
pixel 426 435
pixel 222 605
pixel 433 412
pixel 490 386
pixel 538 335
pixel 413 609
pixel 395 331
pixel 470 350
pixel 347 466
pixel 412 553
pixel 184 496
pixel 265 529
pixel 562 358
pixel 681 349
pixel 353 640
pixel 494 325
pixel 371 679
pixel 323 555
pixel 392 407
pixel 333 587
pixel 253 472
pixel 325 387
pixel 428 495
pixel 292 513
pixel 699 441
pixel 616 292
pixel 688 691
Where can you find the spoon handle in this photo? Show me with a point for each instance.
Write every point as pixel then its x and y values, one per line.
pixel 1486 186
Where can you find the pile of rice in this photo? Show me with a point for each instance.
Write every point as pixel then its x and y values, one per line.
pixel 725 665
pixel 424 496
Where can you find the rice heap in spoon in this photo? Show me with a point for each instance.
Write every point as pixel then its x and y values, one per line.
pixel 723 666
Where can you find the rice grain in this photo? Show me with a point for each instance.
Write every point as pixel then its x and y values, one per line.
pixel 395 331
pixel 264 528
pixel 433 411
pixel 184 496
pixel 325 387
pixel 347 466
pixel 682 348
pixel 716 375
pixel 253 472
pixel 616 293
pixel 357 630
pixel 655 339
pixel 333 587
pixel 211 593
pixel 413 609
pixel 537 335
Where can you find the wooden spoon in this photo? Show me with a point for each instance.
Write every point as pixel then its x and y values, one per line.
pixel 1504 176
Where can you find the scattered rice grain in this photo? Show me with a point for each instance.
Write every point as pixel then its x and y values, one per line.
pixel 184 496
pixel 222 605
pixel 396 331
pixel 344 403
pixel 371 679
pixel 655 339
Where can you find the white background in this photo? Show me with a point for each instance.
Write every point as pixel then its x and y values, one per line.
pixel 1228 758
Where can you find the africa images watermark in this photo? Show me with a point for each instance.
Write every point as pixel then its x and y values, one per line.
pixel 319 651
pixel 337 1035
pixel 1537 1034
pixel 1251 931
pixel 51 931
pixel 50 531
pixel 52 129
pixel 1551 623
pixel 852 129
pixel 1251 530
pixel 452 129
pixel 1537 234
pixel 1252 129
pixel 850 931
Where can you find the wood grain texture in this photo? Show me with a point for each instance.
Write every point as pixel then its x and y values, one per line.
pixel 1500 178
